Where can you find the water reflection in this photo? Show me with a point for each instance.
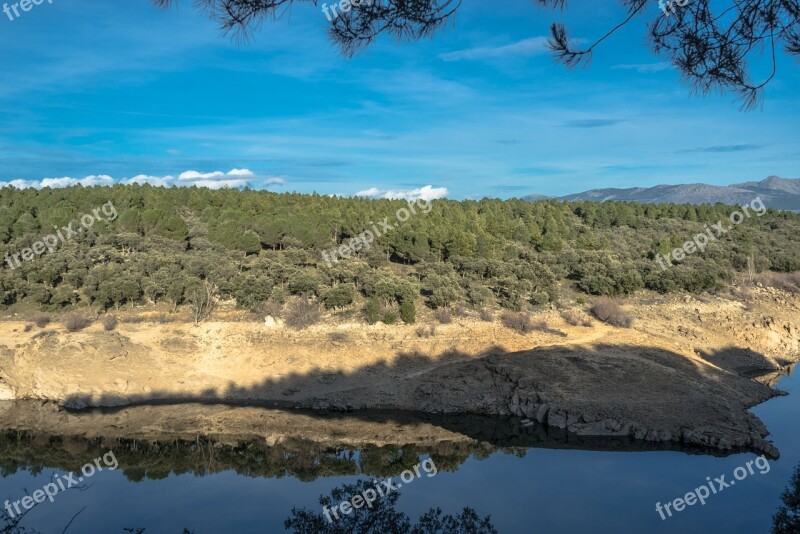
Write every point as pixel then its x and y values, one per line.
pixel 382 517
pixel 787 520
pixel 214 468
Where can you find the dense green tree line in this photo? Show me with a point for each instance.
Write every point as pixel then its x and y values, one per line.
pixel 258 245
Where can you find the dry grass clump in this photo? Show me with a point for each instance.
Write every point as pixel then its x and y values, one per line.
pixel 608 311
pixel 75 321
pixel 301 313
pixel 109 322
pixel 41 320
pixel 444 316
pixel 426 331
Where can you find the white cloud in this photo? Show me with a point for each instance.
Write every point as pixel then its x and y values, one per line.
pixel 21 184
pixel 194 175
pixel 166 181
pixel 371 192
pixel 57 182
pixel 212 180
pixel 532 46
pixel 240 172
pixel 275 180
pixel 427 192
pixel 103 179
pixel 219 184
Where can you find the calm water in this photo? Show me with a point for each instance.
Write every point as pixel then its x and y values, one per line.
pixel 527 490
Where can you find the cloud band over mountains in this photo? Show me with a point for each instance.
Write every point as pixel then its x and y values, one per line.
pixel 234 178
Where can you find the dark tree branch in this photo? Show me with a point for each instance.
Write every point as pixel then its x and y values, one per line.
pixel 711 49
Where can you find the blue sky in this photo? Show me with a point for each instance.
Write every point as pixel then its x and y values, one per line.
pixel 121 91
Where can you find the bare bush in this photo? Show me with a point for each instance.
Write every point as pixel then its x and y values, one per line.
pixel 487 315
pixel 521 322
pixel 272 307
pixel 203 299
pixel 75 321
pixel 573 319
pixel 41 320
pixel 608 311
pixel 444 316
pixel 109 322
pixel 301 313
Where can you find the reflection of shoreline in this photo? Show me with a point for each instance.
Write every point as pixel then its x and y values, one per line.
pixel 154 441
pixel 771 378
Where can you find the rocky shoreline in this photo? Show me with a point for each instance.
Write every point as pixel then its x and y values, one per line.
pixel 681 375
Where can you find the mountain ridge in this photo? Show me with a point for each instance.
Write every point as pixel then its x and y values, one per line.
pixel 776 192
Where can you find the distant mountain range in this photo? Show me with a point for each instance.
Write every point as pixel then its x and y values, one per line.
pixel 778 193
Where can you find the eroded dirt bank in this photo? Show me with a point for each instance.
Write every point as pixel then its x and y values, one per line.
pixel 679 375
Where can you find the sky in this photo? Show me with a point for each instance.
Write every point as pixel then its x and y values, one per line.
pixel 104 92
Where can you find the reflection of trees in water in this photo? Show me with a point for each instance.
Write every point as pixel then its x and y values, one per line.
pixel 382 517
pixel 155 460
pixel 787 520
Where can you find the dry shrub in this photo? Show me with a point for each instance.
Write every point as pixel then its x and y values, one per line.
pixel 521 322
pixel 785 281
pixel 41 320
pixel 163 318
pixel 75 321
pixel 444 316
pixel 338 337
pixel 573 319
pixel 109 322
pixel 28 327
pixel 608 311
pixel 459 310
pixel 541 326
pixel 426 331
pixel 301 313
pixel 272 307
pixel 487 316
pixel 160 318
